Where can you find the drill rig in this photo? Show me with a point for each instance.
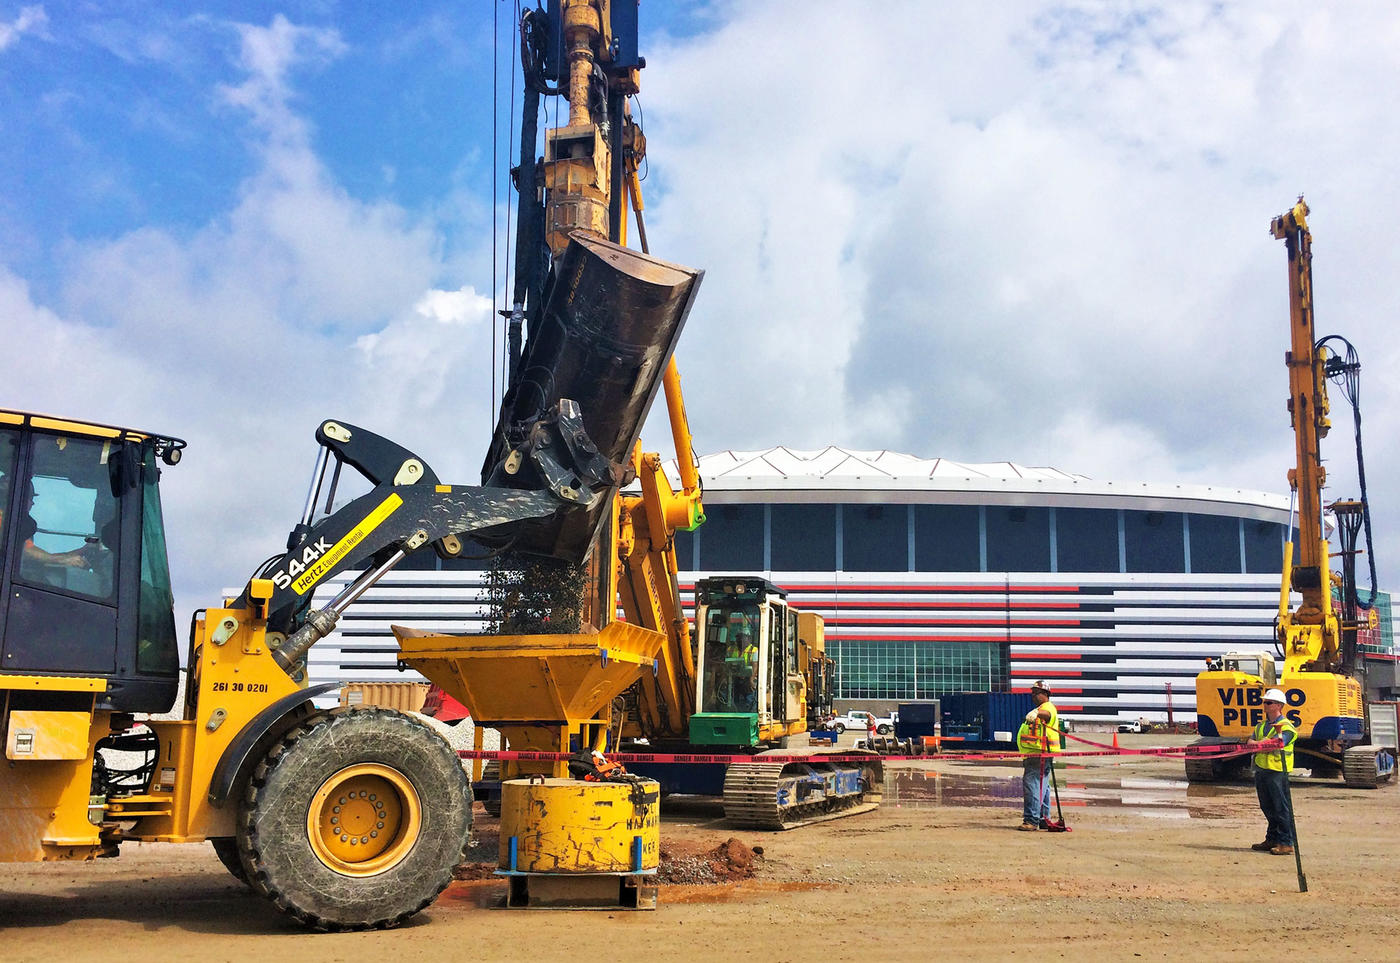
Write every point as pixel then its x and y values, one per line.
pixel 551 688
pixel 1320 675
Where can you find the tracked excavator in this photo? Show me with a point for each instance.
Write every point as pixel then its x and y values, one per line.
pixel 1317 638
pixel 551 689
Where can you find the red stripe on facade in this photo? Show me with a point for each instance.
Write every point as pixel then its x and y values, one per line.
pixel 999 587
pixel 840 603
pixel 861 637
pixel 1030 656
pixel 873 620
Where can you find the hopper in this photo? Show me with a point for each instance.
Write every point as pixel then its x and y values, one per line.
pixel 538 690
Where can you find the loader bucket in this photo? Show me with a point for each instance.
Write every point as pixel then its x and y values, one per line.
pixel 611 320
pixel 536 689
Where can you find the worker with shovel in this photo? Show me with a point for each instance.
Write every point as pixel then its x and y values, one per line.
pixel 1039 735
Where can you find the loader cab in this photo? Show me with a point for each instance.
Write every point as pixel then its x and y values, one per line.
pixel 84 579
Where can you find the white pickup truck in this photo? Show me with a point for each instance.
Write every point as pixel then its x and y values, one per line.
pixel 858 719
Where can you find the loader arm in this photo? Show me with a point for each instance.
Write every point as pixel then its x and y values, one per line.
pixel 559 471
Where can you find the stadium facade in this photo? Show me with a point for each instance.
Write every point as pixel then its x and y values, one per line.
pixel 937 576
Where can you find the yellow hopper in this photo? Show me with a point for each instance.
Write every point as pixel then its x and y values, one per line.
pixel 538 690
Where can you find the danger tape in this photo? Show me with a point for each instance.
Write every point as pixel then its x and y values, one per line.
pixel 692 758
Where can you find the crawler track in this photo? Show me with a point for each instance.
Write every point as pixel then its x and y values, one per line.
pixel 785 795
pixel 1362 767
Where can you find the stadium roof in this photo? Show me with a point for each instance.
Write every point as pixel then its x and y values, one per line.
pixel 788 474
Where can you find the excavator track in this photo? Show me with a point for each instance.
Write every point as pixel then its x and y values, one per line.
pixel 1202 769
pixel 1366 767
pixel 785 795
pixel 1214 768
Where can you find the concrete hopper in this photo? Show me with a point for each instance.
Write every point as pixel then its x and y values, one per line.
pixel 538 690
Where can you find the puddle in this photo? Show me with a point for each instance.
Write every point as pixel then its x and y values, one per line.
pixel 481 893
pixel 1145 796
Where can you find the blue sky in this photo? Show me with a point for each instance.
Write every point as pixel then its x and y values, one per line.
pixel 1026 231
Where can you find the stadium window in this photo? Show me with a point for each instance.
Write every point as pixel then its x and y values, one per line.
pixel 1018 538
pixel 1263 547
pixel 946 538
pixel 1086 539
pixel 733 539
pixel 804 538
pixel 685 549
pixel 1215 544
pixel 875 538
pixel 1154 542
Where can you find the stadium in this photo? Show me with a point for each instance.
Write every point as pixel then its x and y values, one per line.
pixel 936 576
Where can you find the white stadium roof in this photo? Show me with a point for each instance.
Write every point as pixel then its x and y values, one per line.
pixel 788 474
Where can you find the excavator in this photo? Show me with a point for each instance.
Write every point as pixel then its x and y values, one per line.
pixel 1337 731
pixel 351 818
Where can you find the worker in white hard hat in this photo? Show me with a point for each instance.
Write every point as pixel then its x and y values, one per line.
pixel 1271 769
pixel 1039 735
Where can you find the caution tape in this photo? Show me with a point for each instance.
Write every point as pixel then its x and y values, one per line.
pixel 693 758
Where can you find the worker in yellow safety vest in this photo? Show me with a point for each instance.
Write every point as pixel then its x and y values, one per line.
pixel 1271 769
pixel 1039 735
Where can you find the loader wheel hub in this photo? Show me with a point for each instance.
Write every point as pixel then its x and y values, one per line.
pixel 364 819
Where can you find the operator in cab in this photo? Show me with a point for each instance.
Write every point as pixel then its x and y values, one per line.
pixel 1039 734
pixel 743 655
pixel 1271 769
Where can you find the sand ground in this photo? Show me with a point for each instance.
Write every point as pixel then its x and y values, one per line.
pixel 1153 869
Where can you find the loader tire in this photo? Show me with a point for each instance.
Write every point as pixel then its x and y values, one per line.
pixel 355 819
pixel 226 848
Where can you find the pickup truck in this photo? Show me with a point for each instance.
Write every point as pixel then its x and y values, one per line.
pixel 1134 726
pixel 858 719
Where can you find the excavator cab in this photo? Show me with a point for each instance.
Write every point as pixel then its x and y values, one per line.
pixel 84 579
pixel 751 687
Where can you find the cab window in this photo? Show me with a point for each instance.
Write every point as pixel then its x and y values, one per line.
pixel 9 454
pixel 156 646
pixel 731 659
pixel 69 518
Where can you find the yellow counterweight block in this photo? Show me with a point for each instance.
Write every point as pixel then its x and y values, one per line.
pixel 1322 705
pixel 568 826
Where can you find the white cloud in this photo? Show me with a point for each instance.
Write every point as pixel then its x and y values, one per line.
pixel 1029 232
pixel 31 20
pixel 242 335
pixel 1032 231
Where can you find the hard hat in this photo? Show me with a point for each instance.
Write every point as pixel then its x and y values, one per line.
pixel 1038 684
pixel 1275 695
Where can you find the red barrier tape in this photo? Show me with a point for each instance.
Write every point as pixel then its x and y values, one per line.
pixel 1215 752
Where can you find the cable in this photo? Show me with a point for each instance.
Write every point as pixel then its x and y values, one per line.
pixel 1344 369
pixel 495 123
pixel 510 139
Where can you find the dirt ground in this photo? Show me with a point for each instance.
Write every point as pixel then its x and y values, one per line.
pixel 1152 870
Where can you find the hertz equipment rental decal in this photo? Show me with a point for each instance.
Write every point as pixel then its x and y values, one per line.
pixel 318 558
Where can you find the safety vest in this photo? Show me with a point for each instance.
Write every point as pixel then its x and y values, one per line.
pixel 1283 729
pixel 1040 737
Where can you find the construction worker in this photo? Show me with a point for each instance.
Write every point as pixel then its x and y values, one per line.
pixel 1271 769
pixel 1039 735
